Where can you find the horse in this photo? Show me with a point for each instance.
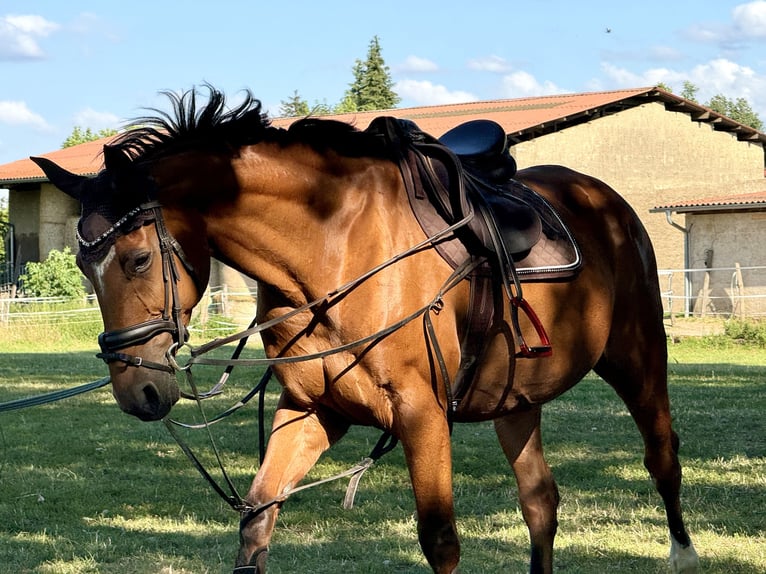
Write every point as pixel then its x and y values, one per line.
pixel 321 204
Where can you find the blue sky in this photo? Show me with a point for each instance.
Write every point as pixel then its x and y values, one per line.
pixel 97 64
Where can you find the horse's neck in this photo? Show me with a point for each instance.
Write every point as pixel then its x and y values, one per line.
pixel 305 224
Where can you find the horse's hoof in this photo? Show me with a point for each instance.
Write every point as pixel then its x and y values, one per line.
pixel 683 559
pixel 257 563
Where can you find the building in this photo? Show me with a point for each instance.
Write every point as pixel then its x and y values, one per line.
pixel 653 147
pixel 724 248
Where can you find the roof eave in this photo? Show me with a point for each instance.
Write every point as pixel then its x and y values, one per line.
pixel 759 206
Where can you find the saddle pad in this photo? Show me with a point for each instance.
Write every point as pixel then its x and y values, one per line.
pixel 554 257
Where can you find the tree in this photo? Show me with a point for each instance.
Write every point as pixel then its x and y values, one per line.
pixel 57 276
pixel 372 88
pixel 664 86
pixel 739 110
pixel 78 136
pixel 690 91
pixel 295 107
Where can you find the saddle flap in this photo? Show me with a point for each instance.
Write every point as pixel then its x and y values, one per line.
pixel 518 223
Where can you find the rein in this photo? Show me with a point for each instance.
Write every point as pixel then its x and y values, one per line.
pixel 111 342
pixel 52 397
pixel 386 441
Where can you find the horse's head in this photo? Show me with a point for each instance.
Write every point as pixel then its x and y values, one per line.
pixel 146 284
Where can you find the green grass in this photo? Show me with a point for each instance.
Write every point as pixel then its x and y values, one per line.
pixel 87 489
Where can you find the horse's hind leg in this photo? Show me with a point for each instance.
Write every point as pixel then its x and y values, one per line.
pixel 519 435
pixel 641 381
pixel 298 438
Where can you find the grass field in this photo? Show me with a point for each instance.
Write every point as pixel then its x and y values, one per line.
pixel 87 489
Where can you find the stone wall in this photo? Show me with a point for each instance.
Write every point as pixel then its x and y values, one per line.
pixel 717 244
pixel 25 217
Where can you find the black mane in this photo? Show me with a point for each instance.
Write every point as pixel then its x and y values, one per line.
pixel 215 128
pixel 189 127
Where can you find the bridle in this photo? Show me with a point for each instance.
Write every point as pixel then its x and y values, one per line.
pixel 171 321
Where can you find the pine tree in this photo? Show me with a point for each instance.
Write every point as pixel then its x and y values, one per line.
pixel 295 107
pixel 372 88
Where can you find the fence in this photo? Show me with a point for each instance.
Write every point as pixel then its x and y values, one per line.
pixel 219 310
pixel 9 278
pixel 724 292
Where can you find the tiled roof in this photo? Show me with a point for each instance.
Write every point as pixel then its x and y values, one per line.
pixel 522 118
pixel 743 201
pixel 515 115
pixel 83 159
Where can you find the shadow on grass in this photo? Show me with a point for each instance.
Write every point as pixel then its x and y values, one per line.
pixel 119 491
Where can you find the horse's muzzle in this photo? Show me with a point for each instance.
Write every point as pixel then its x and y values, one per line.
pixel 147 398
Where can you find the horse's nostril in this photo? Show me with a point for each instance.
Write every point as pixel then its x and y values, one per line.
pixel 151 394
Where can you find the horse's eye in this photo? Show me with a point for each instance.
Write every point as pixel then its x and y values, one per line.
pixel 140 262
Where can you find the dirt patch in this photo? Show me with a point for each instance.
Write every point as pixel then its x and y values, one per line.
pixel 694 327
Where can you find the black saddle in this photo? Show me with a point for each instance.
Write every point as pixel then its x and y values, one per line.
pixel 482 147
pixel 465 174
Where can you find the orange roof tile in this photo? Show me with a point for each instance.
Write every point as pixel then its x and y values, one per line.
pixel 740 201
pixel 83 159
pixel 522 119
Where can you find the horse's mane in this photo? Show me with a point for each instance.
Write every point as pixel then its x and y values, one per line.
pixel 213 127
pixel 191 127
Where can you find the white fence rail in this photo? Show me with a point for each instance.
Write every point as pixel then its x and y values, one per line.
pixel 220 309
pixel 723 292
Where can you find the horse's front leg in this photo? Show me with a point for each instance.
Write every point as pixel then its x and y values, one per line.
pixel 424 434
pixel 297 440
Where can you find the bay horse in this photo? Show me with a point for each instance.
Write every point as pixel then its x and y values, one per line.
pixel 306 209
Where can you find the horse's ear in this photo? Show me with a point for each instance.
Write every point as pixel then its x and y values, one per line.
pixel 68 182
pixel 115 161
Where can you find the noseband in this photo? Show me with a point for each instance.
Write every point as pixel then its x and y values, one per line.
pixel 111 342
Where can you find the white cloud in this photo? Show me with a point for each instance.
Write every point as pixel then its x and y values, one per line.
pixel 748 22
pixel 493 63
pixel 19 35
pixel 18 114
pixel 417 64
pixel 750 19
pixel 522 84
pixel 624 78
pixel 90 118
pixel 718 76
pixel 429 94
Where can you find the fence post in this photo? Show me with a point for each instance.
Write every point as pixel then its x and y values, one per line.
pixel 740 292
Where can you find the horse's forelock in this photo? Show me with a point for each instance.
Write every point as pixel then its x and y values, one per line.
pixel 108 211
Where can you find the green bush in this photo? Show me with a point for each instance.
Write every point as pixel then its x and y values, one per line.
pixel 57 276
pixel 752 332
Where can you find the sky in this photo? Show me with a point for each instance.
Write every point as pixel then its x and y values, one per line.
pixel 97 64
